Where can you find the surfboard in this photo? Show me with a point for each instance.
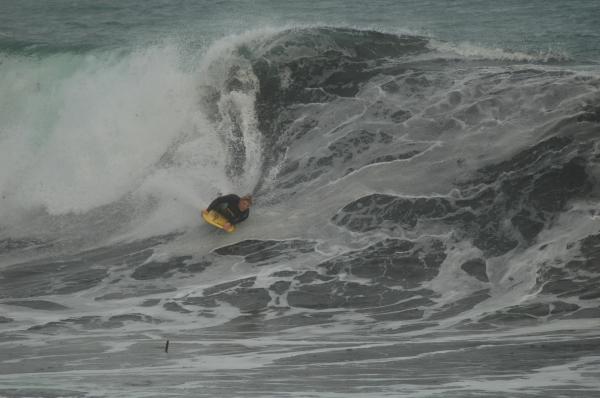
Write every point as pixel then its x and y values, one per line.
pixel 216 220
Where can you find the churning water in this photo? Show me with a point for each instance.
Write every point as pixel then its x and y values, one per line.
pixel 426 183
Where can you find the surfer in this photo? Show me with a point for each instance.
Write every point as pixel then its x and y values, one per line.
pixel 232 207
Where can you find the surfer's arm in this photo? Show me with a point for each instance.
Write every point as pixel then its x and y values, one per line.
pixel 240 218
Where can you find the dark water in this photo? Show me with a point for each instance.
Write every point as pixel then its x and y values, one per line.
pixel 425 225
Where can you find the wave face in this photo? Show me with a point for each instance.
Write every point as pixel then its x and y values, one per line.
pixel 426 223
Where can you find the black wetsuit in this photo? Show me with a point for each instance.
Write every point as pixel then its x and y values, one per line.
pixel 228 207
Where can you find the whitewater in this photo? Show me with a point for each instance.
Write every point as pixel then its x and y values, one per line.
pixel 426 192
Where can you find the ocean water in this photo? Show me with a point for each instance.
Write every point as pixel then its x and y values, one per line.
pixel 426 189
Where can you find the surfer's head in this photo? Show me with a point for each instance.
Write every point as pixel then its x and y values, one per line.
pixel 245 202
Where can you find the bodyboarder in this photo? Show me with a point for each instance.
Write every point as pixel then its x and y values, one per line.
pixel 232 207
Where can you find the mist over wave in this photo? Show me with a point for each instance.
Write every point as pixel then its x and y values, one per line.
pixel 426 219
pixel 108 137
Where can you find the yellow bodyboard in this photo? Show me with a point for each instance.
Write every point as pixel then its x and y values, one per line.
pixel 215 219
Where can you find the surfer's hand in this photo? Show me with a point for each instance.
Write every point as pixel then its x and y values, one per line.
pixel 227 226
pixel 204 211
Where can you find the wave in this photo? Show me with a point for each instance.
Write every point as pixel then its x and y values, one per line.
pixel 83 131
pixel 85 135
pixel 393 137
pixel 473 51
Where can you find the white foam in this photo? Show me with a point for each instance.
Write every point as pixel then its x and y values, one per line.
pixel 475 51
